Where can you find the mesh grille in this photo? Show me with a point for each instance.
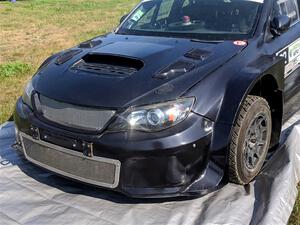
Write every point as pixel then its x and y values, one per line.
pixel 73 116
pixel 102 173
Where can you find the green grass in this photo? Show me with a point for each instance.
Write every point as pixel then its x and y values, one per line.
pixel 13 68
pixel 31 30
pixel 295 217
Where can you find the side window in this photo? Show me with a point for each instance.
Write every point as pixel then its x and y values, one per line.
pixel 288 8
pixel 165 9
pixel 143 16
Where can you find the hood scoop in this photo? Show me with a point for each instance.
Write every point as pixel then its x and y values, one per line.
pixel 109 65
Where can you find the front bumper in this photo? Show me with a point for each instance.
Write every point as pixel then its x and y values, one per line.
pixel 179 161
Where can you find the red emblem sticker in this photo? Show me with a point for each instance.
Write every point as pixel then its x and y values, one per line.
pixel 240 43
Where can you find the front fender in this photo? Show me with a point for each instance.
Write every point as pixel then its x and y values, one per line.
pixel 221 94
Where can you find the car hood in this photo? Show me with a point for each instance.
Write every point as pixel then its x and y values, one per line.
pixel 149 55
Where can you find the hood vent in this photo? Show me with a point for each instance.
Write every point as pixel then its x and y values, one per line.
pixel 197 54
pixel 109 65
pixel 90 44
pixel 176 69
pixel 66 56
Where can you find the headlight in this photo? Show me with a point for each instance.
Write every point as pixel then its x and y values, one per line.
pixel 154 117
pixel 27 94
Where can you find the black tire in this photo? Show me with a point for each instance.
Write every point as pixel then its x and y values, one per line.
pixel 250 140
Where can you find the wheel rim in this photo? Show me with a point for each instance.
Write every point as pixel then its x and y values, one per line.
pixel 256 141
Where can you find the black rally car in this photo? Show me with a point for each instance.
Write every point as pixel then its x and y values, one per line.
pixel 184 96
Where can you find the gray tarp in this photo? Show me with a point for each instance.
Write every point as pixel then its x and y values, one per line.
pixel 29 195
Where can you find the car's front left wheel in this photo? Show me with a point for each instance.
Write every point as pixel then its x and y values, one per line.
pixel 250 140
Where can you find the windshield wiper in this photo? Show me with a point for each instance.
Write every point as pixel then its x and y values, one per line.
pixel 207 41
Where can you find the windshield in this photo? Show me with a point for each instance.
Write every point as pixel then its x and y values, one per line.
pixel 201 19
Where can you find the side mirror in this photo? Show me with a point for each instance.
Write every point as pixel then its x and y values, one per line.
pixel 280 24
pixel 123 18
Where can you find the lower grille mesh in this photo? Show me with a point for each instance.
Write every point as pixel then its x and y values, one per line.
pixel 74 165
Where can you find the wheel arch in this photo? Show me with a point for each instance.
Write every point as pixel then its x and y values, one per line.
pixel 222 102
pixel 268 88
pixel 264 79
pixel 269 85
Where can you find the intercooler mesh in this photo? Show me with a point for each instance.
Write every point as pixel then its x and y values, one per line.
pixel 71 165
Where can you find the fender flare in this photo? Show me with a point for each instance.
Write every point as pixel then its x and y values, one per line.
pixel 222 105
pixel 241 85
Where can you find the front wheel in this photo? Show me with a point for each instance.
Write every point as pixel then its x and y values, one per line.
pixel 250 140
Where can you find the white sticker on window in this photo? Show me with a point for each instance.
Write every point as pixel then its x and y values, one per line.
pixel 137 15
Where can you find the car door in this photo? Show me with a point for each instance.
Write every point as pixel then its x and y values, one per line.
pixel 287 45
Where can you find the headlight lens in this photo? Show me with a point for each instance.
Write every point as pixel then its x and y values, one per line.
pixel 154 117
pixel 27 94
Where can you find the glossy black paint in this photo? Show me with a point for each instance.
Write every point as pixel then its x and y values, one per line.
pixel 154 164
